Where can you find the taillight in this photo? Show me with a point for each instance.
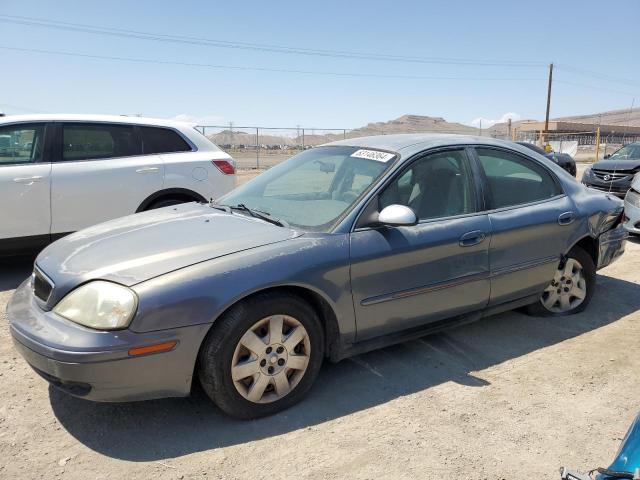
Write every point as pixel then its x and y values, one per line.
pixel 225 166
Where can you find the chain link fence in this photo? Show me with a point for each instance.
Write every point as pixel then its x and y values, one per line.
pixel 264 147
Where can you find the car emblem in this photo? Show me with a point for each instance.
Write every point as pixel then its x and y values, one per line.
pixel 607 177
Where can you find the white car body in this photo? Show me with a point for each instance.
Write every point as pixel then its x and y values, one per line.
pixel 51 182
pixel 632 207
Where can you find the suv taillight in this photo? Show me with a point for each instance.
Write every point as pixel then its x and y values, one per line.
pixel 225 166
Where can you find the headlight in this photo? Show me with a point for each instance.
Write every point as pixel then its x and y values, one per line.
pixel 633 198
pixel 100 305
pixel 587 172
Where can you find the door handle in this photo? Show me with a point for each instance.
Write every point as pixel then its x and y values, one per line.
pixel 28 180
pixel 470 239
pixel 147 170
pixel 566 218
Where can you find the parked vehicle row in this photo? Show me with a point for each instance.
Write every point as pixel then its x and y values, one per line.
pixel 62 173
pixel 615 173
pixel 338 250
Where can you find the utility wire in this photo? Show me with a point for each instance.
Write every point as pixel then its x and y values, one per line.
pixel 95 29
pixel 602 76
pixel 259 69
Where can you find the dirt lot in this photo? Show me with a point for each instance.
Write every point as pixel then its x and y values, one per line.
pixel 509 397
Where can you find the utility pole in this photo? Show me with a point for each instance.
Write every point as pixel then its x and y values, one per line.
pixel 481 127
pixel 509 127
pixel 546 118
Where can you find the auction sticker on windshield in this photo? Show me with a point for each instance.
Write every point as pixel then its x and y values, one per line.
pixel 373 155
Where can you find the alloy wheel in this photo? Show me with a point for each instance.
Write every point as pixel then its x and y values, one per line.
pixel 270 359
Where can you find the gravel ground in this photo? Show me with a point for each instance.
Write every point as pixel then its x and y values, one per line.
pixel 508 397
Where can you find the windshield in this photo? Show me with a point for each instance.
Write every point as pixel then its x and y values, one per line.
pixel 313 189
pixel 628 152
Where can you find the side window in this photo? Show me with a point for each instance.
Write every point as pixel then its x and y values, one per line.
pixel 162 140
pixel 94 141
pixel 21 143
pixel 438 185
pixel 513 180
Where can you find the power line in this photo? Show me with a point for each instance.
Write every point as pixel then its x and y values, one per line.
pixel 259 69
pixel 95 29
pixel 601 76
pixel 593 87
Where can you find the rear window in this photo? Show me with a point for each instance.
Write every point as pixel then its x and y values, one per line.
pixel 162 140
pixel 86 141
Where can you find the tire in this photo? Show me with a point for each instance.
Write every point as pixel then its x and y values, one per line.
pixel 579 259
pixel 223 350
pixel 168 202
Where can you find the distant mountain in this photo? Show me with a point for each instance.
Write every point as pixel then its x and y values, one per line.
pixel 403 124
pixel 407 124
pixel 623 116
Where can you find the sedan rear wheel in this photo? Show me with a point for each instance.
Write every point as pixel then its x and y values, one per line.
pixel 262 355
pixel 567 290
pixel 572 286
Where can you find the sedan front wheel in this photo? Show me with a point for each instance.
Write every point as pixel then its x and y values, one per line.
pixel 262 356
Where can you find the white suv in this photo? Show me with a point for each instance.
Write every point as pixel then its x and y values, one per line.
pixel 61 173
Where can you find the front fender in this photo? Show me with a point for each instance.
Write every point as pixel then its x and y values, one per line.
pixel 200 293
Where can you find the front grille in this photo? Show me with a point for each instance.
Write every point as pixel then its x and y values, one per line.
pixel 610 176
pixel 42 286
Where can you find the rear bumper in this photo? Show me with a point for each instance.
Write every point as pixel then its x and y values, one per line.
pixel 106 373
pixel 611 246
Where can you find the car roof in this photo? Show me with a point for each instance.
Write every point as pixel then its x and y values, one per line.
pixel 409 143
pixel 82 117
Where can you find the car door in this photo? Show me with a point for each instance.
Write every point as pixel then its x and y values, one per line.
pixel 529 215
pixel 25 175
pixel 99 173
pixel 403 277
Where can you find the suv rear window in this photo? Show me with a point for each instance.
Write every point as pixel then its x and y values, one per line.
pixel 82 141
pixel 162 140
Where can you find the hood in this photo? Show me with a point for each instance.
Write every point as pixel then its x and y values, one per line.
pixel 138 247
pixel 618 165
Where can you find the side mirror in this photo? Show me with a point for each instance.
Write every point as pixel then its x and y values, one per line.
pixel 607 156
pixel 397 216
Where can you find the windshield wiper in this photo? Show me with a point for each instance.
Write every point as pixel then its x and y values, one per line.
pixel 259 214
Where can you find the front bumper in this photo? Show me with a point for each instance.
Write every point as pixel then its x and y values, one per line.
pixel 96 364
pixel 632 214
pixel 611 245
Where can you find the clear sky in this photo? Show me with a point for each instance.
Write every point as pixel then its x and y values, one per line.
pixel 595 36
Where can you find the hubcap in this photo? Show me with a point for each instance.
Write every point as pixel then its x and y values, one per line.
pixel 568 288
pixel 270 359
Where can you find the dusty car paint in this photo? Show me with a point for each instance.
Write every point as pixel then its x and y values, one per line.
pixel 188 264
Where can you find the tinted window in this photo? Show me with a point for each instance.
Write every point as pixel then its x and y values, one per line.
pixel 514 180
pixel 86 141
pixel 21 143
pixel 162 140
pixel 435 186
